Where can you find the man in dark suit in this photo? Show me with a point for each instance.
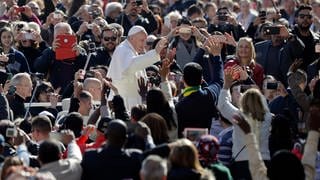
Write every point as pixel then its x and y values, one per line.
pixel 197 106
pixel 112 161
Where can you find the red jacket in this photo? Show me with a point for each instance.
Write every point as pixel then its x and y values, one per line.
pixel 257 69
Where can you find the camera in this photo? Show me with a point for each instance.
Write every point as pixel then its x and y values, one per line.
pixel 222 18
pixel 91 47
pixel 271 30
pixel 272 86
pixel 11 132
pixel 94 14
pixel 89 74
pixel 28 36
pixel 184 30
pixel 57 15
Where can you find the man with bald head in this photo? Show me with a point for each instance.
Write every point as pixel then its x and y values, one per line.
pixel 128 59
pixel 61 72
pixel 94 87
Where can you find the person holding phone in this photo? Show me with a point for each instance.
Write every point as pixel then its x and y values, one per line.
pixel 63 59
pixel 31 44
pixel 131 16
pixel 224 21
pixel 11 60
pixel 267 52
pixel 301 33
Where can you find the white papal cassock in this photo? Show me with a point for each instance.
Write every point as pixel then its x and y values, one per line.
pixel 125 63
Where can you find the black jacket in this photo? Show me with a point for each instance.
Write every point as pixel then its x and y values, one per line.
pixel 61 73
pixel 145 20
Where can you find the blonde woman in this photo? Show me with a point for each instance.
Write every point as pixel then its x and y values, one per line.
pixel 245 59
pixel 254 105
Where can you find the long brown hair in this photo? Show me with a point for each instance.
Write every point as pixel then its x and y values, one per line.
pixel 184 154
pixel 158 127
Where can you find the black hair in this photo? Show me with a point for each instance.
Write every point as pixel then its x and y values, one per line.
pixel 193 10
pixel 74 122
pixel 285 165
pixel 42 124
pixel 84 95
pixel 302 7
pixel 223 8
pixel 49 151
pixel 184 20
pixel 281 134
pixel 316 90
pixel 43 87
pixel 116 133
pixel 157 103
pixel 120 111
pixel 192 74
pixel 138 111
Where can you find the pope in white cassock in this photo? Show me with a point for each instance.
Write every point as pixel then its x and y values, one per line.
pixel 126 62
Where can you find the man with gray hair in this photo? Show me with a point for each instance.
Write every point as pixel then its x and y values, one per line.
pixel 20 89
pixel 61 72
pixel 128 59
pixel 154 167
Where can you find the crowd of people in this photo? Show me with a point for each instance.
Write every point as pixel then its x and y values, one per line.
pixel 169 89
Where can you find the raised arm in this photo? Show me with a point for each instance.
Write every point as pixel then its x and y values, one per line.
pixel 215 66
pixel 224 103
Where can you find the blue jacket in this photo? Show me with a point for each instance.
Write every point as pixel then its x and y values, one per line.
pixel 17 62
pixel 262 53
pixel 198 109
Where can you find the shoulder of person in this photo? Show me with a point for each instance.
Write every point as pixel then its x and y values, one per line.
pixel 262 43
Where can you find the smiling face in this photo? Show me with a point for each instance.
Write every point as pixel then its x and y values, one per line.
pixel 6 39
pixel 109 40
pixel 244 50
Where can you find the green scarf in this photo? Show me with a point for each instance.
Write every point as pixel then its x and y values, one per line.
pixel 189 90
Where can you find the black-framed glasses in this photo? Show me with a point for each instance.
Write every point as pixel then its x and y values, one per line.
pixel 302 16
pixel 113 38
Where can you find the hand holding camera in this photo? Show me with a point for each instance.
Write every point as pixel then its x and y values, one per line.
pixel 4 60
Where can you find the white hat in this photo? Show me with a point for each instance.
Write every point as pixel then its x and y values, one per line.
pixel 136 29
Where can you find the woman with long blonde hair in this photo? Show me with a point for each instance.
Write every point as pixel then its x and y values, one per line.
pixel 245 58
pixel 253 105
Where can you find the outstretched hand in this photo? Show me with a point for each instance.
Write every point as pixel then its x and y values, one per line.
pixel 143 87
pixel 164 70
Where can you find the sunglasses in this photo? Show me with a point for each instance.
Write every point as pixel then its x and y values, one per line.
pixel 309 16
pixel 113 38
